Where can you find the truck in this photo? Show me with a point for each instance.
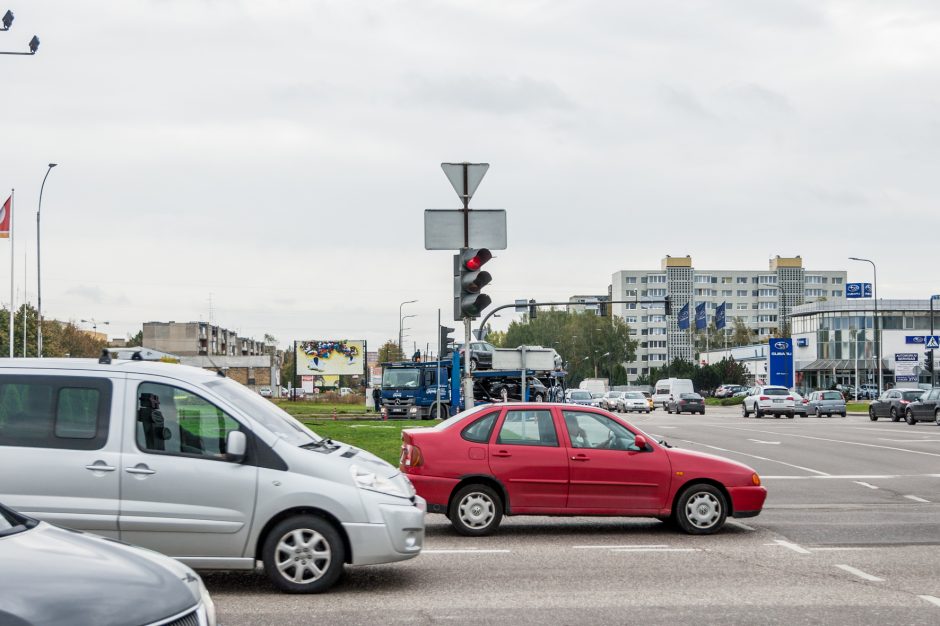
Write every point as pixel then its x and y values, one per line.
pixel 415 390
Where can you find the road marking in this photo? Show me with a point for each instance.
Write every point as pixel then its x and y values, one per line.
pixel 789 546
pixel 863 484
pixel 655 545
pixel 848 443
pixel 657 550
pixel 838 549
pixel 754 456
pixel 773 443
pixel 910 440
pixel 470 551
pixel 741 525
pixel 931 599
pixel 860 573
pixel 917 499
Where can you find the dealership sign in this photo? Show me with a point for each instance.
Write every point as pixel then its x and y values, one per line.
pixel 906 367
pixel 781 362
pixel 928 341
pixel 858 290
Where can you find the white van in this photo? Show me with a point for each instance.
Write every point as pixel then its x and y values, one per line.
pixel 189 463
pixel 669 389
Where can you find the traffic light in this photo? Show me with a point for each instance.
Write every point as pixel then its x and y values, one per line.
pixel 533 310
pixel 668 305
pixel 469 279
pixel 928 360
pixel 446 341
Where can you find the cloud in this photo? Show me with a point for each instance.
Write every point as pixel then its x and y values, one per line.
pixel 488 94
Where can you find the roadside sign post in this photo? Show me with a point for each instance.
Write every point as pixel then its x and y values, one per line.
pixel 933 370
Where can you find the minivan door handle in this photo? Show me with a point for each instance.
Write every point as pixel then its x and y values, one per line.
pixel 100 466
pixel 139 469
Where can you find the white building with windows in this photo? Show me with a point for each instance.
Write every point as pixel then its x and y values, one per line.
pixel 761 299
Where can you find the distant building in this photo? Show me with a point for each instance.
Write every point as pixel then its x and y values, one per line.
pixel 580 304
pixel 762 299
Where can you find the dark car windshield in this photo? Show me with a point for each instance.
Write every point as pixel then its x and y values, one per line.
pixel 635 395
pixel 690 396
pixel 912 395
pixel 401 378
pixel 831 395
pixel 775 391
pixel 580 395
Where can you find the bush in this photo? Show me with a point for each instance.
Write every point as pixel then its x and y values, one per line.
pixel 333 397
pixel 732 401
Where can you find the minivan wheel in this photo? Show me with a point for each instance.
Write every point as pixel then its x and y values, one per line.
pixel 476 510
pixel 303 554
pixel 701 509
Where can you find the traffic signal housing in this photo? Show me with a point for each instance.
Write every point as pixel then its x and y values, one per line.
pixel 533 310
pixel 668 305
pixel 928 360
pixel 469 279
pixel 446 341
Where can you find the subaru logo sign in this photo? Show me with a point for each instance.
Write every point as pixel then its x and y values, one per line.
pixel 853 287
pixel 781 345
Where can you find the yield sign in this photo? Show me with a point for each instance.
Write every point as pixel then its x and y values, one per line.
pixel 456 173
pixel 932 342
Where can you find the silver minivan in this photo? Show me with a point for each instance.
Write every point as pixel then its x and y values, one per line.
pixel 189 463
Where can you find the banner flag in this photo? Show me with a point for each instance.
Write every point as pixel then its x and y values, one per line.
pixel 684 317
pixel 700 320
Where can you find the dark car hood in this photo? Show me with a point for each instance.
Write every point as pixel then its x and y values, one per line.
pixel 53 576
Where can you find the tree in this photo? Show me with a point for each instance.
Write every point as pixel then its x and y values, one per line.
pixel 389 352
pixel 742 334
pixel 136 340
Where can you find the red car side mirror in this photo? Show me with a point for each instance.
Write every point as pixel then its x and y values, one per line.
pixel 640 442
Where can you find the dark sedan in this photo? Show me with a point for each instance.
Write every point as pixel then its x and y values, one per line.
pixel 53 576
pixel 924 409
pixel 687 403
pixel 481 355
pixel 511 390
pixel 893 403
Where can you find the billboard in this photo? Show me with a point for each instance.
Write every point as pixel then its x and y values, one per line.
pixel 858 290
pixel 781 362
pixel 331 357
pixel 906 367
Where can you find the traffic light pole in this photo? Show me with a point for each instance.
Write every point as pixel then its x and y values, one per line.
pixel 933 366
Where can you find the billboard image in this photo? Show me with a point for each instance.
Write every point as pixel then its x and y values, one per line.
pixel 331 357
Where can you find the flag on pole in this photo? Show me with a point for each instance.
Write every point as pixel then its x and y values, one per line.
pixel 700 322
pixel 684 317
pixel 720 315
pixel 6 211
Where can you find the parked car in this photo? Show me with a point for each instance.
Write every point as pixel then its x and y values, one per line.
pixel 741 393
pixel 612 401
pixel 727 391
pixel 636 401
pixel 868 391
pixel 800 404
pixel 58 577
pixel 670 389
pixel 924 409
pixel 649 399
pixel 580 396
pixel 893 403
pixel 192 464
pixel 297 393
pixel 266 392
pixel 769 399
pixel 552 459
pixel 826 403
pixel 686 403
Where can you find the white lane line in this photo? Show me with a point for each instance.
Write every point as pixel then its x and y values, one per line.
pixel 860 573
pixel 838 549
pixel 917 499
pixel 788 545
pixel 911 440
pixel 740 525
pixel 931 599
pixel 772 443
pixel 848 443
pixel 864 484
pixel 850 476
pixel 754 456
pixel 465 551
pixel 626 546
pixel 658 550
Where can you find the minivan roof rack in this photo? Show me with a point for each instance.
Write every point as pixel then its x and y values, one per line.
pixel 105 358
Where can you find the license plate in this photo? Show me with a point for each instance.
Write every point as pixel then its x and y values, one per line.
pixel 778 401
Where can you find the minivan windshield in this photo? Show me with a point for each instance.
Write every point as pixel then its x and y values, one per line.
pixel 266 412
pixel 401 378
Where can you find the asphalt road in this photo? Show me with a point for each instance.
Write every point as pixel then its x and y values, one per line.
pixel 850 534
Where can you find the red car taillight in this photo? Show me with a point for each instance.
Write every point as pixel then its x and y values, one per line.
pixel 682 401
pixel 789 397
pixel 411 455
pixel 764 398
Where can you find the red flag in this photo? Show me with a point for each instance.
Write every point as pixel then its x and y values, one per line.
pixel 5 212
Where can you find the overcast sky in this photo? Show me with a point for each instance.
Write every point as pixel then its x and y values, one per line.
pixel 275 157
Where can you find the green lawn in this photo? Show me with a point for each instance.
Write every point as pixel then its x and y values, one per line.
pixel 857 407
pixel 380 438
pixel 301 408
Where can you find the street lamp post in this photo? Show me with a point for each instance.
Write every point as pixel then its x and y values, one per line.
pixel 39 266
pixel 877 325
pixel 401 320
pixel 94 324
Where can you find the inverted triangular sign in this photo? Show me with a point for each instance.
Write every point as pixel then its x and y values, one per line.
pixel 475 173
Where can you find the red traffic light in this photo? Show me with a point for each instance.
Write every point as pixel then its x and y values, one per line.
pixel 477 261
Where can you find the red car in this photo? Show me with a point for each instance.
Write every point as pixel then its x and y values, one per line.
pixel 562 459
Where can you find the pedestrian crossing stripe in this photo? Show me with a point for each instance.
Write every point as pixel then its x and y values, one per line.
pixel 932 342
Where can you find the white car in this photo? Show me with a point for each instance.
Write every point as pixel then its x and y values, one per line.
pixel 635 401
pixel 612 401
pixel 769 399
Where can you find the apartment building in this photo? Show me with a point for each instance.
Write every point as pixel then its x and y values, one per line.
pixel 580 304
pixel 761 299
pixel 198 339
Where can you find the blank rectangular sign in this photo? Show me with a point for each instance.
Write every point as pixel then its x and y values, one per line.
pixel 443 229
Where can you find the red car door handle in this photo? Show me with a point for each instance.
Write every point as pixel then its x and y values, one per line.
pixel 581 457
pixel 502 453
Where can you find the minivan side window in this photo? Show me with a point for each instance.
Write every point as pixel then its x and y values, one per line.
pixel 171 420
pixel 60 412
